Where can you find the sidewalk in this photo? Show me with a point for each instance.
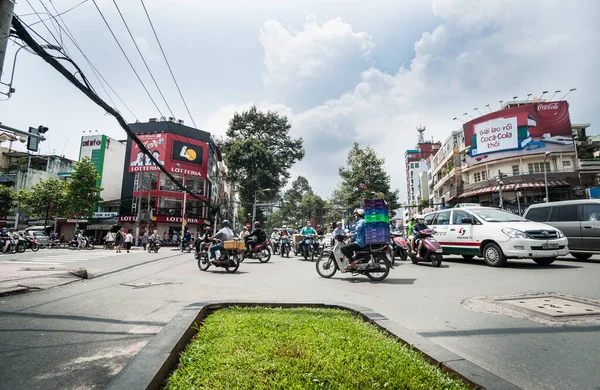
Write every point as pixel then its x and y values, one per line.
pixel 18 279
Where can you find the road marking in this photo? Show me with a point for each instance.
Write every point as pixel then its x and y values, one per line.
pixel 28 262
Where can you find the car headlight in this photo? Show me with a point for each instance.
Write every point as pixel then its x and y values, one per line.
pixel 515 233
pixel 560 234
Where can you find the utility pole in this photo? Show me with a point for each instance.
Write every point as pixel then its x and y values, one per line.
pixel 500 187
pixel 139 208
pixel 6 14
pixel 183 214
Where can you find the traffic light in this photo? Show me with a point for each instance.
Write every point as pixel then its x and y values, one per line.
pixel 33 142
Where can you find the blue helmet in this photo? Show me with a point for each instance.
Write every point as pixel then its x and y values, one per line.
pixel 225 223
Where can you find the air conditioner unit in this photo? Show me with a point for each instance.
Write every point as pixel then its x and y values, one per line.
pixel 152 120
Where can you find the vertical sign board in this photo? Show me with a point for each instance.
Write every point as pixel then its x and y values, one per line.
pixel 94 146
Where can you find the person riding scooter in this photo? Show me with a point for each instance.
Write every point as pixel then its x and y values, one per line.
pixel 417 232
pixel 306 231
pixel 258 236
pixel 225 234
pixel 284 238
pixel 360 239
pixel 202 239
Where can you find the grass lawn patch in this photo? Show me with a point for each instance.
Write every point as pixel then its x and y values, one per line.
pixel 300 348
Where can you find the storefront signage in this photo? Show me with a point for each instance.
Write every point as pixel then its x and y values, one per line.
pixel 104 215
pixel 194 221
pixel 127 218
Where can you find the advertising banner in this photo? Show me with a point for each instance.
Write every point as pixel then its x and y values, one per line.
pixel 530 129
pixel 93 146
pixel 178 154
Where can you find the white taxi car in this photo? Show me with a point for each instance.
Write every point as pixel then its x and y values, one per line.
pixel 495 235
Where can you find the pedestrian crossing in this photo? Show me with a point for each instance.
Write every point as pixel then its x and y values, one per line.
pixel 61 257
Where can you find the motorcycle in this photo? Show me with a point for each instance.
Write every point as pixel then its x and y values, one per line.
pixel 374 261
pixel 400 246
pixel 310 247
pixel 431 250
pixel 110 245
pixel 13 246
pixel 286 247
pixel 261 251
pixel 187 246
pixel 31 243
pixel 153 245
pixel 228 259
pixel 275 246
pixel 85 244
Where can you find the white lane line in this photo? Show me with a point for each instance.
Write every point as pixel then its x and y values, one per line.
pixel 62 261
pixel 30 263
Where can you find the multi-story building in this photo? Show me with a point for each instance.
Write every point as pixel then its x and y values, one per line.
pixel 416 163
pixel 150 200
pixel 509 157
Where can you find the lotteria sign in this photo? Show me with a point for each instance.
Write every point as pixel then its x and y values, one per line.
pixel 163 219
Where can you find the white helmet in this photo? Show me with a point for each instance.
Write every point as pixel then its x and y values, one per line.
pixel 359 212
pixel 419 217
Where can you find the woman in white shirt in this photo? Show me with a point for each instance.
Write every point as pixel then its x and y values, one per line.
pixel 128 240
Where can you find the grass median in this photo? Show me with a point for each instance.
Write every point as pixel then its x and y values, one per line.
pixel 300 348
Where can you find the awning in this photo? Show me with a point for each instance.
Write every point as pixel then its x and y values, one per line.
pixel 100 226
pixel 514 187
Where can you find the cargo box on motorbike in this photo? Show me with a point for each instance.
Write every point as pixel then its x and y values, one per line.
pixel 297 238
pixel 234 244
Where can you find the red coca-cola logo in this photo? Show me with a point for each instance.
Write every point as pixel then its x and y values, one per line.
pixel 548 109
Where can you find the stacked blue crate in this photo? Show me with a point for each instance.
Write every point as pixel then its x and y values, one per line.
pixel 377 221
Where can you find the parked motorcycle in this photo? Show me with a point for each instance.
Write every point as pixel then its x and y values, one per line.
pixel 30 243
pixel 85 244
pixel 374 261
pixel 153 246
pixel 261 252
pixel 187 247
pixel 400 246
pixel 228 259
pixel 431 250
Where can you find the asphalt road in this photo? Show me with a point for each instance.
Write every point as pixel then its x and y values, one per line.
pixel 82 334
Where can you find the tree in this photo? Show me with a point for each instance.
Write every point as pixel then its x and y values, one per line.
pixel 47 198
pixel 259 153
pixel 83 193
pixel 364 178
pixel 300 204
pixel 7 199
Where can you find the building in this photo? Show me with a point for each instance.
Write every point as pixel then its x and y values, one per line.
pixel 507 158
pixel 150 200
pixel 416 163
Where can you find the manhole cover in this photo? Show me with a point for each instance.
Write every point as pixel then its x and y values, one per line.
pixel 553 306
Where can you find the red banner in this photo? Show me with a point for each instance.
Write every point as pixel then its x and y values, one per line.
pixel 156 144
pixel 163 219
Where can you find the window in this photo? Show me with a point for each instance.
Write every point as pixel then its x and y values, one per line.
pixel 515 170
pixel 167 185
pixel 567 164
pixel 428 218
pixel 169 206
pixel 483 175
pixel 416 165
pixel 564 213
pixel 442 218
pixel 458 216
pixel 591 212
pixel 477 177
pixel 195 184
pixel 538 167
pixel 539 214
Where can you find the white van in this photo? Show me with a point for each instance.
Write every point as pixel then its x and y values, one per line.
pixel 496 235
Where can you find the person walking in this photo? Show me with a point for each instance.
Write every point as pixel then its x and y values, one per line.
pixel 119 240
pixel 128 240
pixel 145 240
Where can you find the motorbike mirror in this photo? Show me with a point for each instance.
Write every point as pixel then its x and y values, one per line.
pixel 468 221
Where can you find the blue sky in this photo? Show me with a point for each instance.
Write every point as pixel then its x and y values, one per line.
pixel 343 71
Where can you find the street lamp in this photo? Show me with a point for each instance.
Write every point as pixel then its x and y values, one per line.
pixel 546 155
pixel 570 90
pixel 254 205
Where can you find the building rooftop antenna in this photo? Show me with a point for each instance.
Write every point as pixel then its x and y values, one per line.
pixel 421 130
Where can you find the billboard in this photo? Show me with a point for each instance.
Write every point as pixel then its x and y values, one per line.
pixel 93 146
pixel 530 129
pixel 178 154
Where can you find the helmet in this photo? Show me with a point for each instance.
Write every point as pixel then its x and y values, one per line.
pixel 256 224
pixel 225 222
pixel 276 229
pixel 208 229
pixel 284 227
pixel 307 223
pixel 360 212
pixel 419 217
pixel 244 228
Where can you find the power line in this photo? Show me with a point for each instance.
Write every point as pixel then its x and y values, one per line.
pixel 53 21
pixel 127 58
pixel 59 14
pixel 44 23
pixel 168 65
pixel 142 57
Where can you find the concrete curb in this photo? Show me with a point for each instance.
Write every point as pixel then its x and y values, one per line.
pixel 20 289
pixel 153 364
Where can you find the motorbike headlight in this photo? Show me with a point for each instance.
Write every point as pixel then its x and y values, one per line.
pixel 560 234
pixel 515 233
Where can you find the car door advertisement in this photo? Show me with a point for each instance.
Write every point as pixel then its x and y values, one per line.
pixel 530 129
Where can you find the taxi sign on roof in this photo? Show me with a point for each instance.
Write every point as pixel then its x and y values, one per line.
pixel 459 205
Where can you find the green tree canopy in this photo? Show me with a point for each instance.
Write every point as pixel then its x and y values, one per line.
pixel 259 153
pixel 47 199
pixel 300 204
pixel 83 193
pixel 364 177
pixel 7 199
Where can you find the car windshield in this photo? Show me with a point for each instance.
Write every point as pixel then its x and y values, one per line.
pixel 493 215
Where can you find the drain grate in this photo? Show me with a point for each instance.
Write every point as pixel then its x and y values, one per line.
pixel 553 306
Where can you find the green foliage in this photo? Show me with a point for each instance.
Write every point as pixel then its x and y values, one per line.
pixel 300 348
pixel 82 191
pixel 47 197
pixel 364 178
pixel 300 204
pixel 259 153
pixel 7 199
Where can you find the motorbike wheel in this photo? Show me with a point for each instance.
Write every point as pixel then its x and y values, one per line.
pixel 414 260
pixel 326 266
pixel 89 246
pixel 312 254
pixel 231 268
pixel 12 249
pixel 403 254
pixel 35 247
pixel 381 273
pixel 203 263
pixel 20 247
pixel 436 260
pixel 73 246
pixel 265 255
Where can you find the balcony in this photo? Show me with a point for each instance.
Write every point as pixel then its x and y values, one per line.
pixel 522 178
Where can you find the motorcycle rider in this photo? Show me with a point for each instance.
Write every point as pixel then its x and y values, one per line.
pixel 225 234
pixel 306 231
pixel 260 235
pixel 409 233
pixel 275 237
pixel 417 231
pixel 284 238
pixel 6 235
pixel 80 239
pixel 360 239
pixel 338 230
pixel 152 239
pixel 205 238
pixel 244 233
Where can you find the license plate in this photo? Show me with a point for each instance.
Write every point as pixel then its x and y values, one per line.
pixel 439 250
pixel 550 246
pixel 432 239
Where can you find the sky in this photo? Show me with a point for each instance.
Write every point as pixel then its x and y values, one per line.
pixel 341 71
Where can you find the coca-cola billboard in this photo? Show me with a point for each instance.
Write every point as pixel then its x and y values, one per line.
pixel 530 129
